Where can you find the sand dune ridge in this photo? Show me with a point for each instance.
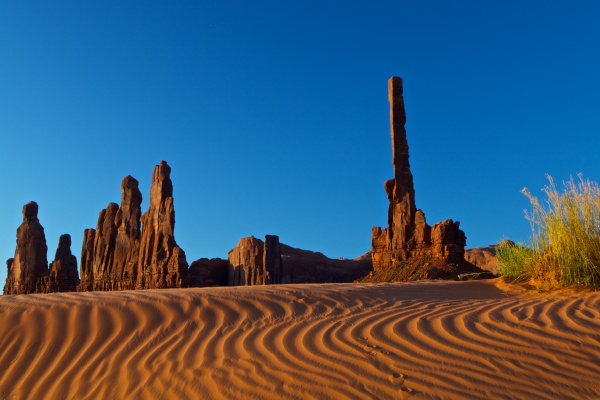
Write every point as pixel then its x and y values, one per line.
pixel 376 341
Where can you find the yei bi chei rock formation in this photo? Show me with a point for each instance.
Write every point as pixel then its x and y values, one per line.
pixel 409 243
pixel 129 250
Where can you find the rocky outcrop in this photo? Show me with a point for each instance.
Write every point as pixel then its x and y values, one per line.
pixel 485 257
pixel 109 257
pixel 275 271
pixel 63 276
pixel 162 264
pixel 304 266
pixel 104 248
pixel 86 283
pixel 254 262
pixel 448 241
pixel 408 241
pixel 28 270
pixel 129 250
pixel 205 272
pixel 246 263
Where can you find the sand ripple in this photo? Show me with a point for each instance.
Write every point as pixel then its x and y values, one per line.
pixel 340 341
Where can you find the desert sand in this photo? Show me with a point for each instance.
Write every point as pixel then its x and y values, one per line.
pixel 429 339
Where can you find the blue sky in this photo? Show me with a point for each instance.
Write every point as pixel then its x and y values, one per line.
pixel 274 114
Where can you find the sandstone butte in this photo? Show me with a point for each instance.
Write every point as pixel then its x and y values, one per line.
pixel 128 250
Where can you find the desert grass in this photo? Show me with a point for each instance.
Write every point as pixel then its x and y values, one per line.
pixel 564 248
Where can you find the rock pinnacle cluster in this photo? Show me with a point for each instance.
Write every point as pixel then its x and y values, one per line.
pixel 28 271
pixel 129 250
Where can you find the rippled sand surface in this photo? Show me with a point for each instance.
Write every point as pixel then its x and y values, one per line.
pixel 417 340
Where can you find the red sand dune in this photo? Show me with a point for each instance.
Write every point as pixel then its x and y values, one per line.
pixel 333 341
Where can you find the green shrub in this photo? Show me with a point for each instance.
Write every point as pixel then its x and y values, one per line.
pixel 515 261
pixel 564 248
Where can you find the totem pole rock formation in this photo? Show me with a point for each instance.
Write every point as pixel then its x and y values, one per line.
pixel 28 270
pixel 254 262
pixel 408 237
pixel 63 276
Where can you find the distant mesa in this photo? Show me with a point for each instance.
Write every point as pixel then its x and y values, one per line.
pixel 254 262
pixel 131 250
pixel 257 262
pixel 485 257
pixel 313 267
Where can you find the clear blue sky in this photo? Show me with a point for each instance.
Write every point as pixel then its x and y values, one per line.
pixel 274 114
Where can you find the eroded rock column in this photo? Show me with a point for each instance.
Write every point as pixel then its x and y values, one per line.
pixel 401 191
pixel 408 236
pixel 28 270
pixel 64 276
pixel 161 263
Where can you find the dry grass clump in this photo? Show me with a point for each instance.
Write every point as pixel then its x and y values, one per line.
pixel 564 248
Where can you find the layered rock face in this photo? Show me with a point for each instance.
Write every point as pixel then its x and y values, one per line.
pixel 254 262
pixel 408 237
pixel 28 270
pixel 128 250
pixel 63 276
pixel 275 272
pixel 246 263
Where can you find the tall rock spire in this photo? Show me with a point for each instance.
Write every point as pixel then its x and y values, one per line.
pixel 109 256
pixel 104 248
pixel 129 250
pixel 127 243
pixel 28 271
pixel 161 262
pixel 401 191
pixel 86 283
pixel 408 236
pixel 63 270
